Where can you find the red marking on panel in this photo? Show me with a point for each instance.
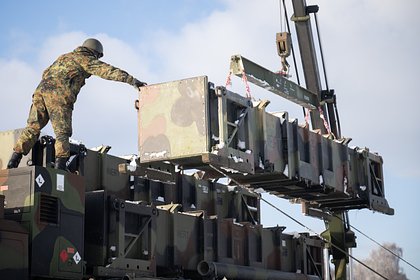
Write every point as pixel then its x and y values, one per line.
pixel 64 256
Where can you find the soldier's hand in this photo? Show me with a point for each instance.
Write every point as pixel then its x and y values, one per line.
pixel 137 84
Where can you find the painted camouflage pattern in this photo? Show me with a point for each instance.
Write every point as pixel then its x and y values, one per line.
pixel 218 223
pixel 187 238
pixel 56 94
pixel 171 120
pixel 235 138
pixel 211 218
pixel 45 108
pixel 101 173
pixel 189 122
pixel 118 236
pixel 49 204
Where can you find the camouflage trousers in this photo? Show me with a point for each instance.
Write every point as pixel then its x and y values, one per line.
pixel 45 107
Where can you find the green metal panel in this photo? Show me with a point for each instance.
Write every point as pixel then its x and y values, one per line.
pixel 271 247
pixel 254 245
pixel 273 82
pixel 309 152
pixel 188 239
pixel 164 238
pixel 50 204
pixel 120 236
pixel 172 119
pixel 14 257
pixel 101 171
pixel 287 261
pixel 273 143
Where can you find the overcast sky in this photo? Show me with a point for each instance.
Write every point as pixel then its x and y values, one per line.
pixel 371 49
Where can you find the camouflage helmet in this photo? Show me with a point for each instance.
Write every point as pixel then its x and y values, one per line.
pixel 94 45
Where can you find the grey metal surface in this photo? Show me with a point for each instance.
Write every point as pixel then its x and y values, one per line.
pixel 310 66
pixel 308 56
pixel 264 150
pixel 230 271
pixel 172 119
pixel 273 82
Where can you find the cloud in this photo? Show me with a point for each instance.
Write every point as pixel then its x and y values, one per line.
pixel 104 113
pixel 373 76
pixel 372 65
pixel 206 46
pixel 371 52
pixel 57 45
pixel 18 81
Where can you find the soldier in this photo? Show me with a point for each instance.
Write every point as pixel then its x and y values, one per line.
pixel 56 94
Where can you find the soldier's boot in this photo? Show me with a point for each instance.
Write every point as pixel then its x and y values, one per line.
pixel 14 160
pixel 60 163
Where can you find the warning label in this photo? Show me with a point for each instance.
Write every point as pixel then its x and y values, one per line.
pixel 77 258
pixel 40 180
pixel 60 182
pixel 64 256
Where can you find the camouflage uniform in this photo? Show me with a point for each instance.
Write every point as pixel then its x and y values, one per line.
pixel 56 94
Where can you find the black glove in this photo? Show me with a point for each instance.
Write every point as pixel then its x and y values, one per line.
pixel 137 84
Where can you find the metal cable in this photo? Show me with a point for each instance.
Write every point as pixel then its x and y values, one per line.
pixel 301 224
pixel 313 263
pixel 380 245
pixel 321 52
pixel 281 17
pixel 293 51
pixel 338 118
pixel 323 239
pixel 325 73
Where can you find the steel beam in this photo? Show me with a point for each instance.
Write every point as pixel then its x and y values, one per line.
pixel 310 64
pixel 273 82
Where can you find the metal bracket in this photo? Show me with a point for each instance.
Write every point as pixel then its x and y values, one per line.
pixel 273 82
pixel 299 19
pixel 236 125
pixel 328 96
pixel 157 171
pixel 313 9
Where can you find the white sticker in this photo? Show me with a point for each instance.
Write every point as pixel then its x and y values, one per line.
pixel 40 180
pixel 205 189
pixel 60 182
pixel 77 258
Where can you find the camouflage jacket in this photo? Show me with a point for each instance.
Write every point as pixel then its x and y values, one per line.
pixel 67 75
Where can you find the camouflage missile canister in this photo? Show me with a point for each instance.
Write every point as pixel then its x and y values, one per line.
pixel 172 120
pixel 195 125
pixel 191 123
pixel 101 173
pixel 119 237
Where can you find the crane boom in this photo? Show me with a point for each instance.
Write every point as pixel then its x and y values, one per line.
pixel 337 231
pixel 310 63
